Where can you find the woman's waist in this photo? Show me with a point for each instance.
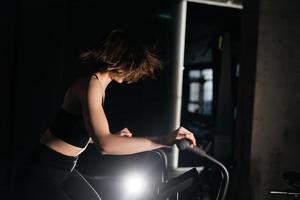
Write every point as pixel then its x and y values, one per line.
pixel 58 145
pixel 45 156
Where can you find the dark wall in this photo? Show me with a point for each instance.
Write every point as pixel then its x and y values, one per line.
pixel 268 116
pixel 8 21
pixel 41 43
pixel 276 136
pixel 245 101
pixel 38 74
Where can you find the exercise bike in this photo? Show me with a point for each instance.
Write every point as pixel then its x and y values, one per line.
pixel 147 177
pixel 176 185
pixel 292 178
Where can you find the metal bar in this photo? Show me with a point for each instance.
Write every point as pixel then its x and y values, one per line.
pixel 228 4
pixel 179 62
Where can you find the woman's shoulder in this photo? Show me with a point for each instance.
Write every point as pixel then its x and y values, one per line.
pixel 84 83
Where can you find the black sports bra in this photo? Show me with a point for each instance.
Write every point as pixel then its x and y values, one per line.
pixel 70 128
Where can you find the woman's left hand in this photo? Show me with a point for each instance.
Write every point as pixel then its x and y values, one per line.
pixel 179 134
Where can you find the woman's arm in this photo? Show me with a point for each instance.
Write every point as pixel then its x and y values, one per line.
pixel 98 128
pixel 124 132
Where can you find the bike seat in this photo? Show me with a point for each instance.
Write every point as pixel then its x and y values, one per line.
pixel 292 178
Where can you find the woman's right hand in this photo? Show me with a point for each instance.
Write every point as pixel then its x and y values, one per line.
pixel 124 132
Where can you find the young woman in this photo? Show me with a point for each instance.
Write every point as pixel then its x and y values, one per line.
pixel 81 120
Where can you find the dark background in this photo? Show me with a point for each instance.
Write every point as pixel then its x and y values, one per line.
pixel 41 41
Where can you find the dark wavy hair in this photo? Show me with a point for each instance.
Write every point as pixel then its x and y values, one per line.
pixel 123 56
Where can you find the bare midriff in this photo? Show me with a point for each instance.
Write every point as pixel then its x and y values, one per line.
pixel 59 145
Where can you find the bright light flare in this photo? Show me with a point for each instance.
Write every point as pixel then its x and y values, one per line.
pixel 135 184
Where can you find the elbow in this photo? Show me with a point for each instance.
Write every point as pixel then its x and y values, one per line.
pixel 110 152
pixel 100 148
pixel 104 146
pixel 104 149
pixel 107 149
pixel 99 145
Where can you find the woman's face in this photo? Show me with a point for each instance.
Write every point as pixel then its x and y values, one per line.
pixel 118 79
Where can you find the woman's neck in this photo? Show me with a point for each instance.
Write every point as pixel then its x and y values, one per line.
pixel 104 79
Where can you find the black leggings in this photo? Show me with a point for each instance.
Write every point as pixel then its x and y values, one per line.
pixel 52 176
